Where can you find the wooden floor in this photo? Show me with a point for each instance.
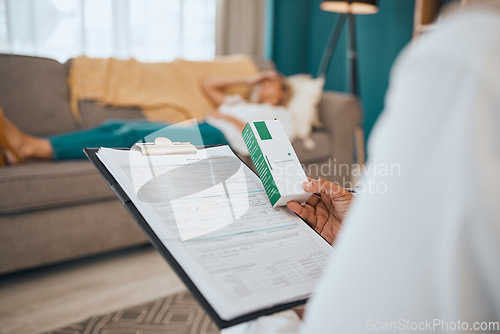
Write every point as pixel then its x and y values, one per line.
pixel 39 300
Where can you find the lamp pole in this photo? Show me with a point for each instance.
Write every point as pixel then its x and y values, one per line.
pixel 347 10
pixel 330 47
pixel 352 54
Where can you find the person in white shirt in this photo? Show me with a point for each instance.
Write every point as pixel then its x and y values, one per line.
pixel 420 253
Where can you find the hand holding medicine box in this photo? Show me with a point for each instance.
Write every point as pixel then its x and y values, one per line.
pixel 276 162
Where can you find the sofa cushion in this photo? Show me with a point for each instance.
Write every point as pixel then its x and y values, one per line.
pixel 34 93
pixel 43 185
pixel 321 150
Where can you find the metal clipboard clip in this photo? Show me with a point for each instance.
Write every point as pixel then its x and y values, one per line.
pixel 164 146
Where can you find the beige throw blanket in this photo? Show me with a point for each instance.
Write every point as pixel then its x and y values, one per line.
pixel 168 92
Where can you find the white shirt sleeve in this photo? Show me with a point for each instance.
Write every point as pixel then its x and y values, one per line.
pixel 280 323
pixel 421 244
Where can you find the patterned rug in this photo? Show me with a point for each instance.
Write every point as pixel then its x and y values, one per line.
pixel 175 314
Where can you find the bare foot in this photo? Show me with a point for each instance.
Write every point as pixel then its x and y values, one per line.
pixel 15 138
pixel 24 145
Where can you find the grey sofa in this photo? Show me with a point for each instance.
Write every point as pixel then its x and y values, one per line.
pixel 61 210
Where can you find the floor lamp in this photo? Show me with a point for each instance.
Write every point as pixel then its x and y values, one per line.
pixel 347 9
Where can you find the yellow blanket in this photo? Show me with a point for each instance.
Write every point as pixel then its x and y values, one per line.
pixel 168 92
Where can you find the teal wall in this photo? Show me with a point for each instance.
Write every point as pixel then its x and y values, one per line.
pixel 300 33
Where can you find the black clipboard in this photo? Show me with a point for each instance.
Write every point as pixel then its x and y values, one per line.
pixel 160 247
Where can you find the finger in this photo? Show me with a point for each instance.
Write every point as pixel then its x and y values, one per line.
pixel 333 189
pixel 303 212
pixel 322 216
pixel 268 75
pixel 272 74
pixel 327 201
pixel 313 200
pixel 294 206
pixel 310 217
pixel 309 208
pixel 310 185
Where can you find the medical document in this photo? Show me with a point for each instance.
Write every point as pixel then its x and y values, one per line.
pixel 213 215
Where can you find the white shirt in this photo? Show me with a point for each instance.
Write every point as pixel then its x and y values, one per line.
pixel 244 111
pixel 426 251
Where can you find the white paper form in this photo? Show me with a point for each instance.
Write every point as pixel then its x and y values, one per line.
pixel 212 214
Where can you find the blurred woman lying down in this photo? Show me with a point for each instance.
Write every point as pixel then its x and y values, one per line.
pixel 223 125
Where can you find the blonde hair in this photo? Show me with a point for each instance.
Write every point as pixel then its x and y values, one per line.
pixel 287 91
pixel 285 87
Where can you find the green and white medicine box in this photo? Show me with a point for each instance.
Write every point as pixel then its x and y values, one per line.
pixel 276 162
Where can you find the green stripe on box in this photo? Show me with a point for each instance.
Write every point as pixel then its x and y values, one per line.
pixel 260 164
pixel 263 131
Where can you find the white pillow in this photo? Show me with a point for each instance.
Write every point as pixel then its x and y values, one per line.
pixel 303 105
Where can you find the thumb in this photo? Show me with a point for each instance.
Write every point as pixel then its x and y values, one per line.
pixel 323 186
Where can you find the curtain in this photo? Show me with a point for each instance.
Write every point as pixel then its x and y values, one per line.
pixel 148 30
pixel 240 26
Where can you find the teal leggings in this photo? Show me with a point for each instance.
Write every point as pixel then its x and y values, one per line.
pixel 122 133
